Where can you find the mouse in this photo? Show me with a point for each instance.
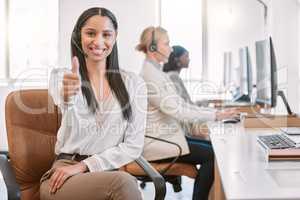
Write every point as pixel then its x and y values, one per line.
pixel 231 121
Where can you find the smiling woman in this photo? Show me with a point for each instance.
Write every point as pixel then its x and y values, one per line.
pixel 103 128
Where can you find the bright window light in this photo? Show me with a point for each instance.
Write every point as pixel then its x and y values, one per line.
pixel 183 21
pixel 2 39
pixel 33 37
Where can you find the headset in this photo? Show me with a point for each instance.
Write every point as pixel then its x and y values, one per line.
pixel 153 45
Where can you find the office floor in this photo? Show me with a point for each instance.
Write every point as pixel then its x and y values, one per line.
pixel 185 194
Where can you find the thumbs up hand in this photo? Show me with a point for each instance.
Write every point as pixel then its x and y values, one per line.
pixel 71 81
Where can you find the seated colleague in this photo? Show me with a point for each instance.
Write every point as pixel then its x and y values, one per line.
pixel 103 117
pixel 179 59
pixel 166 109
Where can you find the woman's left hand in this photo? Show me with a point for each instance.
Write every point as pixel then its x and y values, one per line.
pixel 61 174
pixel 227 113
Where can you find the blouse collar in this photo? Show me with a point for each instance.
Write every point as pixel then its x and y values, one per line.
pixel 156 65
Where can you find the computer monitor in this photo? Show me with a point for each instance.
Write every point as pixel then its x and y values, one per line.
pixel 244 89
pixel 266 73
pixel 227 70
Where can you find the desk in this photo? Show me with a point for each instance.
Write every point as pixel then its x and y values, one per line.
pixel 3 189
pixel 243 169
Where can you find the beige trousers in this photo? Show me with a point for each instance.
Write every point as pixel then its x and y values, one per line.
pixel 107 185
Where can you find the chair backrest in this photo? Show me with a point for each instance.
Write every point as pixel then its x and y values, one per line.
pixel 32 122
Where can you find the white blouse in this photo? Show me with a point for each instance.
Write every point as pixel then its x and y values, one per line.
pixel 166 109
pixel 110 140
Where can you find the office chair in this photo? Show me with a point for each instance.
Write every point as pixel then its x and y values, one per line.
pixel 171 171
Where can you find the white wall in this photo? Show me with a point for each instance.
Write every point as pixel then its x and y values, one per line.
pixel 132 15
pixel 285 34
pixel 234 23
pixel 298 7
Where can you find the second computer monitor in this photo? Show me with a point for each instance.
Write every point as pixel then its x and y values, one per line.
pixel 244 89
pixel 266 73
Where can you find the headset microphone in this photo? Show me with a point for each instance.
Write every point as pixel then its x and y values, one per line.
pixel 162 54
pixel 77 46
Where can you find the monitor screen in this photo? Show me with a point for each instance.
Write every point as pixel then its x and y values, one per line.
pixel 227 70
pixel 266 73
pixel 246 71
pixel 244 90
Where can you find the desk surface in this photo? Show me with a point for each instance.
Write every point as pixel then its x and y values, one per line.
pixel 244 170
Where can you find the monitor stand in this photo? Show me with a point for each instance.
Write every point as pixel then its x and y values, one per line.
pixel 286 103
pixel 265 118
pixel 267 110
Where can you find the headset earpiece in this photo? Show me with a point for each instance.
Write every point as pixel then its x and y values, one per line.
pixel 153 44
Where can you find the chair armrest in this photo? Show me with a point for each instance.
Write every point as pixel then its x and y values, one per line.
pixel 158 180
pixel 5 153
pixel 13 188
pixel 162 172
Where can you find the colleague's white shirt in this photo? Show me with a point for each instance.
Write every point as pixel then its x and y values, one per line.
pixel 179 85
pixel 110 140
pixel 166 109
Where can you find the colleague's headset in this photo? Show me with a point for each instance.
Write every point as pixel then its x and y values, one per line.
pixel 153 45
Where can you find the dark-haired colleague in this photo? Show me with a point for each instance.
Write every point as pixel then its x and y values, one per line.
pixel 103 117
pixel 179 59
pixel 166 109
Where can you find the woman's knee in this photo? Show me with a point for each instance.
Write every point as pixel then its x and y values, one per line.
pixel 44 190
pixel 126 180
pixel 125 186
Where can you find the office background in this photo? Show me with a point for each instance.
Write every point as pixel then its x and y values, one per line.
pixel 207 29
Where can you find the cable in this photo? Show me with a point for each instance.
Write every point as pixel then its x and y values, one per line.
pixel 175 159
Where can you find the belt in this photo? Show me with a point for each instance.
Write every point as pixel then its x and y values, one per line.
pixel 77 157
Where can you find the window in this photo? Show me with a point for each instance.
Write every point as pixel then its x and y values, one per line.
pixel 183 21
pixel 33 38
pixel 184 25
pixel 2 39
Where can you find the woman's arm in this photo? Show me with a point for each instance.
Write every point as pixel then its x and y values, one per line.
pixel 163 95
pixel 132 146
pixel 55 85
pixel 64 84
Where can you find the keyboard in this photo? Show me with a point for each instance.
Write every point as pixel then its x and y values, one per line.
pixel 276 141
